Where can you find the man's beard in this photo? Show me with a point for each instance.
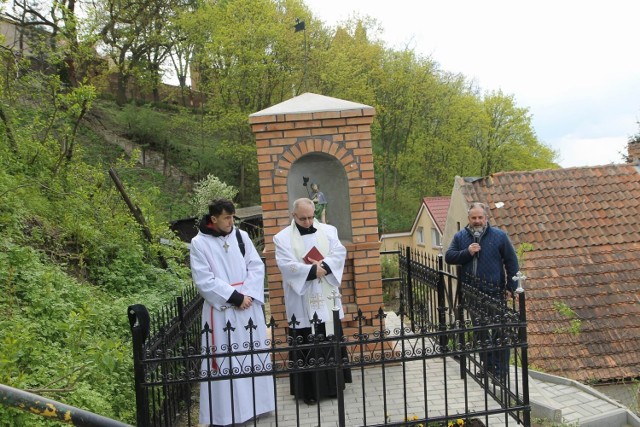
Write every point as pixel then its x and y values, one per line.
pixel 479 229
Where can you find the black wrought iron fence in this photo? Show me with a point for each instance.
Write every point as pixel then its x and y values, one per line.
pixel 174 332
pixel 494 326
pixel 424 364
pixel 429 288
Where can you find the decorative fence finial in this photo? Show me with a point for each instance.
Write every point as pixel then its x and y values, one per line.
pixel 520 278
pixel 335 296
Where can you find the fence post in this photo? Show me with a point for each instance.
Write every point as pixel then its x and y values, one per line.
pixel 522 336
pixel 442 315
pixel 460 321
pixel 410 288
pixel 139 323
pixel 339 372
pixel 185 392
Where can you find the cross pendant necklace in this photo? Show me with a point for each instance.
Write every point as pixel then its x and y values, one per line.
pixel 225 245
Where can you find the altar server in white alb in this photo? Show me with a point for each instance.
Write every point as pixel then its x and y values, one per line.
pixel 308 286
pixel 229 274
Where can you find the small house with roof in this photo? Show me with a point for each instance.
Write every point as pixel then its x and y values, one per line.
pixel 426 232
pixel 582 229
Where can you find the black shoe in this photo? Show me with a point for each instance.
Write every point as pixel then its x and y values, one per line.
pixel 310 400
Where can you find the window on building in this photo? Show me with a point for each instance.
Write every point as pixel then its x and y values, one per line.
pixel 435 238
pixel 420 236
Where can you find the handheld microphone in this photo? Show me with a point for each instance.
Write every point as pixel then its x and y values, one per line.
pixel 476 236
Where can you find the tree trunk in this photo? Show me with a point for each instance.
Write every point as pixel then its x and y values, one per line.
pixel 121 93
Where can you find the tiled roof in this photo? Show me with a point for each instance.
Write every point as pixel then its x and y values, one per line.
pixel 584 226
pixel 439 208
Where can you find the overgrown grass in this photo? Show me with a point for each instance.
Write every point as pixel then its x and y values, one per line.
pixel 169 195
pixel 185 135
pixel 73 258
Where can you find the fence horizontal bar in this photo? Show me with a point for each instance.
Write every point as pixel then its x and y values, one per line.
pixel 394 252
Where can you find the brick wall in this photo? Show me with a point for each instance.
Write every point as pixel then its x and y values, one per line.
pixel 281 140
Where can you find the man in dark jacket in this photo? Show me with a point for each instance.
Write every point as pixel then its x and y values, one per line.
pixel 486 254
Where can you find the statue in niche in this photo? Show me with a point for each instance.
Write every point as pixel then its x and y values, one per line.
pixel 320 201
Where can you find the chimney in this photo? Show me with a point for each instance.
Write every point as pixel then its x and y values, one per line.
pixel 633 152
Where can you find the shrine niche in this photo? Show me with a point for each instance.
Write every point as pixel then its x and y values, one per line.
pixel 315 139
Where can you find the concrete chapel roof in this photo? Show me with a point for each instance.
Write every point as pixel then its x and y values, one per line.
pixel 310 103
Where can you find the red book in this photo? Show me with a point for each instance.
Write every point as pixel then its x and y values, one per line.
pixel 314 254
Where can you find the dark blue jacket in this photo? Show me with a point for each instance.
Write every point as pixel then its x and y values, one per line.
pixel 496 255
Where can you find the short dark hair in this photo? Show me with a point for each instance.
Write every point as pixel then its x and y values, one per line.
pixel 217 206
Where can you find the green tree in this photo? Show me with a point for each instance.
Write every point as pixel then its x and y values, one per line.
pixel 182 50
pixel 208 189
pixel 352 62
pixel 134 35
pixel 53 29
pixel 245 55
pixel 506 140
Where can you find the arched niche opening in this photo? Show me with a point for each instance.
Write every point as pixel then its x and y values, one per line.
pixel 326 171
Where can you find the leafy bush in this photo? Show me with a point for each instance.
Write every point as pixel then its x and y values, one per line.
pixel 72 259
pixel 208 189
pixel 390 266
pixel 144 125
pixel 390 270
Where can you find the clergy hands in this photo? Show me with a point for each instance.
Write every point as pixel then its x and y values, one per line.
pixel 246 302
pixel 320 272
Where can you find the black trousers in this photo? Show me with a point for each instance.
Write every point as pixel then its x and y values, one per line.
pixel 494 361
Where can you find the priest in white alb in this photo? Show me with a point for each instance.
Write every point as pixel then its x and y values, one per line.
pixel 229 274
pixel 311 259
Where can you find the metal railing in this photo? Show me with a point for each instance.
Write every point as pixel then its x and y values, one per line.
pixel 52 409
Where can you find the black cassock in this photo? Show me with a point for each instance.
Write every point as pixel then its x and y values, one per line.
pixel 315 384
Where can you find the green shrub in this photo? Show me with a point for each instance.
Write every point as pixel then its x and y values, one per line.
pixel 144 125
pixel 72 259
pixel 208 189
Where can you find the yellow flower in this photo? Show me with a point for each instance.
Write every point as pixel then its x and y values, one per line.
pixel 460 422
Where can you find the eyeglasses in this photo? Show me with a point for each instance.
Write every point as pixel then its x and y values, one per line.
pixel 306 218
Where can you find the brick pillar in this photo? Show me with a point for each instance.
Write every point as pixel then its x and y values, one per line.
pixel 311 124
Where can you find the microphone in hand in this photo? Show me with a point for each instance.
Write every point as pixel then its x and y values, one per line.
pixel 476 239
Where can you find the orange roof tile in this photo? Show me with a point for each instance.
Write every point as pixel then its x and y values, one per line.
pixel 584 225
pixel 439 208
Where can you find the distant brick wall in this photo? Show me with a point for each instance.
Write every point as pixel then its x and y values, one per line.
pixel 346 135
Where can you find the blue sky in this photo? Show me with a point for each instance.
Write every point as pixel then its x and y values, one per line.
pixel 573 63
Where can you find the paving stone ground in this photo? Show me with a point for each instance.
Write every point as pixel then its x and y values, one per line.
pixel 372 405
